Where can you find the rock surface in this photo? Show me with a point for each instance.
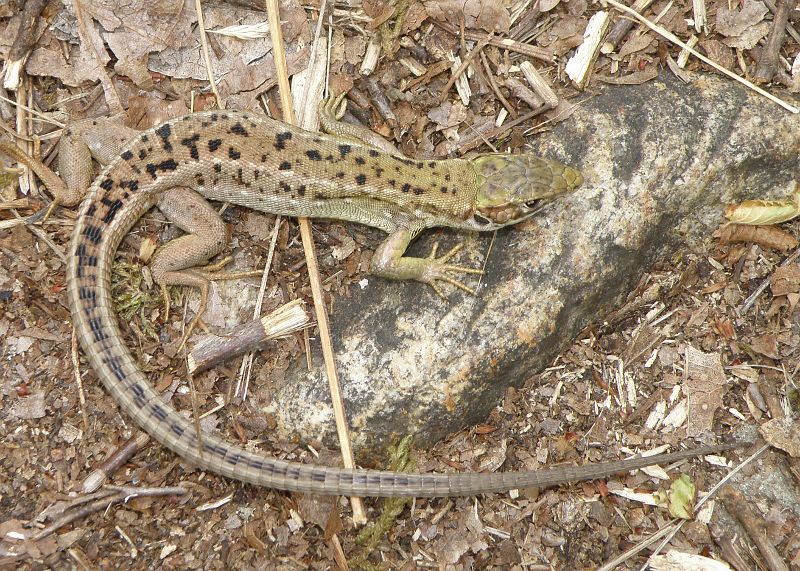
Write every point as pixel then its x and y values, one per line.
pixel 660 161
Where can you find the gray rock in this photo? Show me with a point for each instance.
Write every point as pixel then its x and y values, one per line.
pixel 660 161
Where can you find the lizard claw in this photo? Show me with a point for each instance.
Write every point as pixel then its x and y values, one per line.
pixel 333 108
pixel 200 277
pixel 437 269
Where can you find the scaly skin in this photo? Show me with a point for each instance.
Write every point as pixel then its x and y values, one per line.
pixel 262 164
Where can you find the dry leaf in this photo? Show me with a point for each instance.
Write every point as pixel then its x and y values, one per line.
pixel 745 27
pixel 783 433
pixel 785 280
pixel 765 236
pixel 705 385
pixel 763 212
pixel 30 407
pixel 766 345
pixel 489 15
pixel 725 328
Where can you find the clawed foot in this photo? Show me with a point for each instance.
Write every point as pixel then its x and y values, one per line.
pixel 333 108
pixel 436 270
pixel 200 278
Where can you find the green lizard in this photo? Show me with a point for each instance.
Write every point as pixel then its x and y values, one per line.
pixel 256 162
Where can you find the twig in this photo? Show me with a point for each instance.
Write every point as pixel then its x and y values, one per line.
pixel 113 462
pixel 504 43
pixel 42 235
pixel 23 42
pixel 621 558
pixel 495 88
pixel 769 55
pixel 76 369
pixel 468 145
pixel 206 57
pixel 213 349
pixel 243 378
pixel 621 28
pixel 108 498
pixel 764 285
pixel 464 65
pixel 674 39
pixel 40 116
pixel 739 507
pixel 311 261
pixel 790 29
pixel 710 494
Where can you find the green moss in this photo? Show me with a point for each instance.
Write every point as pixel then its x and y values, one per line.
pixel 399 461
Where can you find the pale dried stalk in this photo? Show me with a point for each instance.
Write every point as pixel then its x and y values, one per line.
pixel 311 261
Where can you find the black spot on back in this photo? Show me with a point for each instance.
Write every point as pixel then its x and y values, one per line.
pixel 191 142
pixel 164 132
pixel 238 129
pixel 281 138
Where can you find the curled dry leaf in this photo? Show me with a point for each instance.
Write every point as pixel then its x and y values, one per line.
pixel 762 212
pixel 764 236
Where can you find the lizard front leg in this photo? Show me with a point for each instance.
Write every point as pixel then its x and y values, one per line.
pixel 389 262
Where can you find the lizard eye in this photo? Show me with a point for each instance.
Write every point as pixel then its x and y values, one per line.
pixel 481 219
pixel 533 204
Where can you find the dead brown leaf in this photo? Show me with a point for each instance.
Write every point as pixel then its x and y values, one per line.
pixel 766 345
pixel 705 386
pixel 766 236
pixel 783 433
pixel 489 15
pixel 785 280
pixel 743 28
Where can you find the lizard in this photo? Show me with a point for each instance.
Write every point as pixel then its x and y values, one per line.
pixel 256 162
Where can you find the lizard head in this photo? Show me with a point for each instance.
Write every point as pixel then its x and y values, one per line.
pixel 513 187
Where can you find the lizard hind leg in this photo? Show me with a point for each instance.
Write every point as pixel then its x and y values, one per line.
pixel 183 261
